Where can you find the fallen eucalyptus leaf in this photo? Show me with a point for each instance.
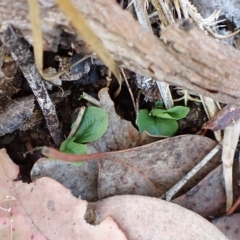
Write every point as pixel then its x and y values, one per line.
pixel 208 197
pixel 150 218
pixel 229 225
pixel 39 211
pixel 147 170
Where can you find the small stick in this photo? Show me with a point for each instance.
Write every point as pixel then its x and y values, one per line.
pixel 234 207
pixel 20 51
pixel 169 194
pixel 129 89
pixel 91 99
pixel 78 121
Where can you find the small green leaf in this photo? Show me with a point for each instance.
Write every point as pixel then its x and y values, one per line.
pixel 158 104
pixel 69 146
pixel 93 125
pixel 145 122
pixel 175 113
pixel 156 126
pixel 160 113
pixel 178 112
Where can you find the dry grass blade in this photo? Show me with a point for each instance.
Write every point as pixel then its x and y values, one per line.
pixel 89 36
pixel 230 141
pixel 37 33
pixel 38 43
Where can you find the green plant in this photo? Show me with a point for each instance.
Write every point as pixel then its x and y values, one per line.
pixel 93 125
pixel 161 122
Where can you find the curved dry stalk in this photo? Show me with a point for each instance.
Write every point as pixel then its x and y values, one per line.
pixel 230 141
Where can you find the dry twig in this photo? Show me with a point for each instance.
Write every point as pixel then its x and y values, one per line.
pixel 170 193
pixel 20 51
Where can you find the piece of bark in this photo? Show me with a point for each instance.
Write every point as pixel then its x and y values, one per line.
pixel 21 53
pixel 22 112
pixel 38 117
pixel 194 61
pixel 17 111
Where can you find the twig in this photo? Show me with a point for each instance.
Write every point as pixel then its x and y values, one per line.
pixel 130 91
pixel 170 193
pixel 230 141
pixel 91 99
pixel 78 121
pixel 234 207
pixel 20 51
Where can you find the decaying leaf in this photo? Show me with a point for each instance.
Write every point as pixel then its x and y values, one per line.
pixel 223 118
pixel 208 197
pixel 83 180
pixel 150 218
pixel 147 170
pixel 229 225
pixel 39 210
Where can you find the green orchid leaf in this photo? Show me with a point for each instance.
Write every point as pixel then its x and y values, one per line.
pixel 69 146
pixel 160 113
pixel 93 125
pixel 158 104
pixel 156 126
pixel 175 113
pixel 178 112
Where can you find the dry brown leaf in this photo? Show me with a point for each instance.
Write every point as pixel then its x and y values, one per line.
pixel 223 118
pixel 147 170
pixel 45 210
pixel 150 218
pixel 208 197
pixel 83 180
pixel 153 169
pixel 229 226
pixel 120 134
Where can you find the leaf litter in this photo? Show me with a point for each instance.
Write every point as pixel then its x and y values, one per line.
pixel 36 210
pixel 147 170
pixel 152 176
pixel 39 211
